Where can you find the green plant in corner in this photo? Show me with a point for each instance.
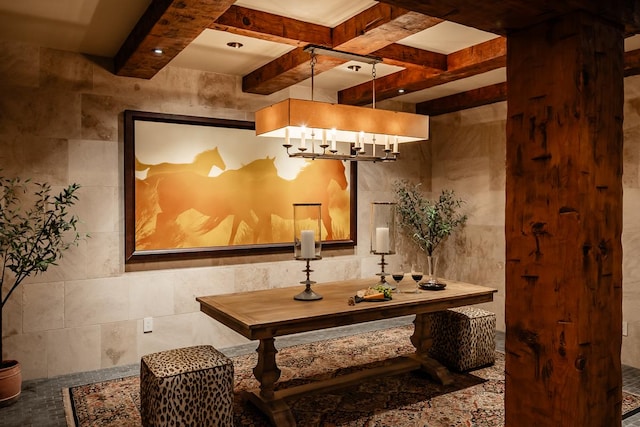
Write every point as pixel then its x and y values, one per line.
pixel 36 227
pixel 428 222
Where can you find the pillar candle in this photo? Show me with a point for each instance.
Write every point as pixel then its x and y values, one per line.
pixel 382 240
pixel 308 244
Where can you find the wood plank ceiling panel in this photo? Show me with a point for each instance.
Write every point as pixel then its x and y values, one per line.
pixel 167 24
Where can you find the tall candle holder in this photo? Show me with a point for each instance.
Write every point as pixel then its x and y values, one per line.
pixel 307 228
pixel 383 235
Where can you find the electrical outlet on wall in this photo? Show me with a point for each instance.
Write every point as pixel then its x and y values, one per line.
pixel 147 325
pixel 625 328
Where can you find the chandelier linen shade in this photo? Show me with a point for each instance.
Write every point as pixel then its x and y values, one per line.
pixel 348 121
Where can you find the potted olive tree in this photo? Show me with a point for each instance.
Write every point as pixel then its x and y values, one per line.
pixel 428 222
pixel 35 229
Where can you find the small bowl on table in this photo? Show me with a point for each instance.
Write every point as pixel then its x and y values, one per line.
pixel 432 286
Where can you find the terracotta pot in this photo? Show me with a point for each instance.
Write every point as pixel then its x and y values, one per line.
pixel 10 382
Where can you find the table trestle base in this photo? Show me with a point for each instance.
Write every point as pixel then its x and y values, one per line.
pixel 277 410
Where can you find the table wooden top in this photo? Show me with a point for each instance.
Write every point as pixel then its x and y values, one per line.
pixel 273 312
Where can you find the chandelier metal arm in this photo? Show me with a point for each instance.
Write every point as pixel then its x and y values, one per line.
pixel 322 50
pixel 356 157
pixel 373 83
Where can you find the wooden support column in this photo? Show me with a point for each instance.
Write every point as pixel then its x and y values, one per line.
pixel 563 223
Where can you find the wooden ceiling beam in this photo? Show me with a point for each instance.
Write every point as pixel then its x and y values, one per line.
pixel 502 16
pixel 377 27
pixel 169 25
pixel 275 28
pixel 291 68
pixel 632 63
pixel 477 59
pixel 461 101
pixel 482 57
pixel 407 56
pixel 368 31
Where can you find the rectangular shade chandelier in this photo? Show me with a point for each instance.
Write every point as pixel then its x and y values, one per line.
pixel 317 127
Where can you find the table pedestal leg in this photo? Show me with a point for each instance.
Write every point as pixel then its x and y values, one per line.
pixel 267 373
pixel 422 341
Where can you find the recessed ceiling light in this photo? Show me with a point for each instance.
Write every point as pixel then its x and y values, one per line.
pixel 235 45
pixel 158 51
pixel 400 90
pixel 355 68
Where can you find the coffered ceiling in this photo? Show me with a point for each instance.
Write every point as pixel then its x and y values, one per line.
pixel 441 65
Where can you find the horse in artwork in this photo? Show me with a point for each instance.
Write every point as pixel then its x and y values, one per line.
pixel 214 197
pixel 311 185
pixel 201 165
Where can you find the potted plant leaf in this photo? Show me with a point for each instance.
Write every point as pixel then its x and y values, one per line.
pixel 36 227
pixel 428 222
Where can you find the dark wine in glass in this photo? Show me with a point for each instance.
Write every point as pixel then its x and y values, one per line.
pixel 398 276
pixel 417 277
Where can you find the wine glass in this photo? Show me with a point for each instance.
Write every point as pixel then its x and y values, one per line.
pixel 417 276
pixel 397 277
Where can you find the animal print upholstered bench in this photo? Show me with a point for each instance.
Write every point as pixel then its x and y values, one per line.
pixel 190 386
pixel 463 338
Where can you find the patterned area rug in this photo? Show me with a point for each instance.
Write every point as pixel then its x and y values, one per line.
pixel 474 399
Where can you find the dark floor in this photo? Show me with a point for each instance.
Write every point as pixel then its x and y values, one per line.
pixel 40 404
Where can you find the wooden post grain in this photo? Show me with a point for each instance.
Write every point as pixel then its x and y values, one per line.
pixel 563 223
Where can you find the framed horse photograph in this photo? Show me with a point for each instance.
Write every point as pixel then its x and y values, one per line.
pixel 203 187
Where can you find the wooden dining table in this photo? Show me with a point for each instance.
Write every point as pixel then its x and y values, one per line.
pixel 266 314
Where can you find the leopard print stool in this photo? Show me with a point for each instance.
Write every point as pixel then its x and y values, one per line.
pixel 463 338
pixel 190 386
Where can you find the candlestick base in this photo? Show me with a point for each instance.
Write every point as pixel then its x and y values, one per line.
pixel 308 294
pixel 382 274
